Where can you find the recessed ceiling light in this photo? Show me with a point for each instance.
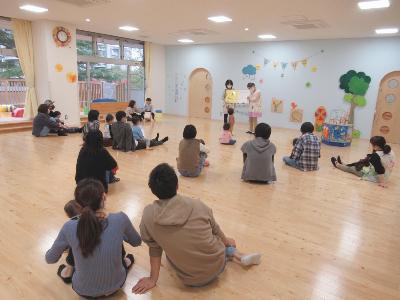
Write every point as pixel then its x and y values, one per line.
pixel 387 31
pixel 185 41
pixel 128 28
pixel 246 29
pixel 33 8
pixel 267 36
pixel 220 19
pixel 373 4
pixel 87 20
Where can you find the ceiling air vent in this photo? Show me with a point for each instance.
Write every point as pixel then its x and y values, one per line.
pixel 303 23
pixel 194 32
pixel 86 2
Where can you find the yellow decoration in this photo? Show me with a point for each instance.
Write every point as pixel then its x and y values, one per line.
pixel 71 77
pixel 304 62
pixel 258 67
pixel 59 68
pixel 231 96
pixel 314 69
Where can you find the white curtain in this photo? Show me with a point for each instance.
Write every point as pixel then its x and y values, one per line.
pixel 24 44
pixel 147 64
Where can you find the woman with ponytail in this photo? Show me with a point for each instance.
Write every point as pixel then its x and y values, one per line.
pixel 376 167
pixel 98 265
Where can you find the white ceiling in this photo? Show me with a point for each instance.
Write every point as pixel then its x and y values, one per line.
pixel 165 21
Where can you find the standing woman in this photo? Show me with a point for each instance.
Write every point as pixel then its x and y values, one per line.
pixel 96 239
pixel 227 105
pixel 255 108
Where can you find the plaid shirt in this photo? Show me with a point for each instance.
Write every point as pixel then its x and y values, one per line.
pixel 307 151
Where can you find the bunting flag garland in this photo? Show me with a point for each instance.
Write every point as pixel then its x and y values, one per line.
pixel 283 64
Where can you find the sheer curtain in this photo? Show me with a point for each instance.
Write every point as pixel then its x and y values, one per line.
pixel 147 64
pixel 24 44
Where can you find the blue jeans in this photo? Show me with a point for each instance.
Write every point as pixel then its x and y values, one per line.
pixel 231 142
pixel 45 131
pixel 109 177
pixel 291 162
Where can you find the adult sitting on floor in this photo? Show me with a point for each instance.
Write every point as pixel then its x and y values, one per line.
pixel 122 134
pixel 43 124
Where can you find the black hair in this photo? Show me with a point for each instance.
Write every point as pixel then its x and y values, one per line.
pixel 120 115
pixel 380 141
pixel 43 108
pixel 57 113
pixel 89 195
pixel 294 142
pixel 136 120
pixel 307 127
pixel 109 117
pixel 93 115
pixel 231 111
pixel 263 130
pixel 189 132
pixel 148 99
pixel 163 181
pixel 93 141
pixel 226 126
pixel 132 103
pixel 251 84
pixel 228 82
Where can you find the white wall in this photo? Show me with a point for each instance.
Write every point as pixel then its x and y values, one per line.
pixel 157 76
pixel 376 57
pixel 49 83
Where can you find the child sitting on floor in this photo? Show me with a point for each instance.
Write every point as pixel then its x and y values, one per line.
pixel 376 167
pixel 93 123
pixel 306 151
pixel 192 153
pixel 231 119
pixel 107 135
pixel 138 135
pixel 226 136
pixel 148 107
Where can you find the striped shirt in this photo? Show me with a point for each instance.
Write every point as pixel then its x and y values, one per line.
pixel 306 152
pixel 101 273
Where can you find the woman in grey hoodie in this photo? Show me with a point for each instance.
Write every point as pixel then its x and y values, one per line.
pixel 258 156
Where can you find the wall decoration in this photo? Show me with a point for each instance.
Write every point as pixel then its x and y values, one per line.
pixel 258 67
pixel 276 105
pixel 336 129
pixel 71 77
pixel 59 68
pixel 62 36
pixel 275 64
pixel 284 65
pixel 304 62
pixel 294 65
pixel 308 84
pixel 320 116
pixel 261 81
pixel 314 69
pixel 266 61
pixel 249 71
pixel 282 75
pixel 355 86
pixel 296 114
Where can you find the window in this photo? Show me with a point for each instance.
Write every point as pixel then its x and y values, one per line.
pixel 109 67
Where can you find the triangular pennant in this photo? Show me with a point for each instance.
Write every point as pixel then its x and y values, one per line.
pixel 294 65
pixel 304 62
pixel 275 64
pixel 284 65
pixel 266 61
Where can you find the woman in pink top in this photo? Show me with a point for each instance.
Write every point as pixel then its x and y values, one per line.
pixel 255 107
pixel 226 136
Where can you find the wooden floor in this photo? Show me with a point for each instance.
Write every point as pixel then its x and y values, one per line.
pixel 323 235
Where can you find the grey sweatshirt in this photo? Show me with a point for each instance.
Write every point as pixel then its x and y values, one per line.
pixel 259 165
pixel 101 273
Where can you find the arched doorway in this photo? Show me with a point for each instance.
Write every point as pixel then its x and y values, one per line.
pixel 200 94
pixel 387 112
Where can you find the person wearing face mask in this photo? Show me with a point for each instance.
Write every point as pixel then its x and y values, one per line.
pixel 227 104
pixel 255 108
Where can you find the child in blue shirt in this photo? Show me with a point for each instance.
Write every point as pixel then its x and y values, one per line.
pixel 138 135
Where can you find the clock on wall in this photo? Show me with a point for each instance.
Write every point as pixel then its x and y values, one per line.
pixel 61 36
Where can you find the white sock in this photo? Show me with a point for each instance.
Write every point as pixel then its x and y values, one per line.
pixel 128 262
pixel 67 272
pixel 251 259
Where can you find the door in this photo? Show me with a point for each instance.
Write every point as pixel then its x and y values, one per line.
pixel 387 112
pixel 200 94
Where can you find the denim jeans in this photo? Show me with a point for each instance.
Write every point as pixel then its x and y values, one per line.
pixel 291 162
pixel 109 176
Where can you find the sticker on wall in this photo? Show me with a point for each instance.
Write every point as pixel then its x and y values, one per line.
pixel 59 68
pixel 314 69
pixel 71 77
pixel 294 65
pixel 249 71
pixel 308 84
pixel 61 36
pixel 276 105
pixel 261 81
pixel 258 67
pixel 275 64
pixel 304 62
pixel 320 116
pixel 296 114
pixel 266 61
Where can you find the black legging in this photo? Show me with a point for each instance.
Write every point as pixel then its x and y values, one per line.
pixel 225 118
pixel 142 144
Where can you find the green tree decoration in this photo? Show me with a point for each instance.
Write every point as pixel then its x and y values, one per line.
pixel 355 86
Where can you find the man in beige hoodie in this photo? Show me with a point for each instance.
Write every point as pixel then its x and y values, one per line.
pixel 185 229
